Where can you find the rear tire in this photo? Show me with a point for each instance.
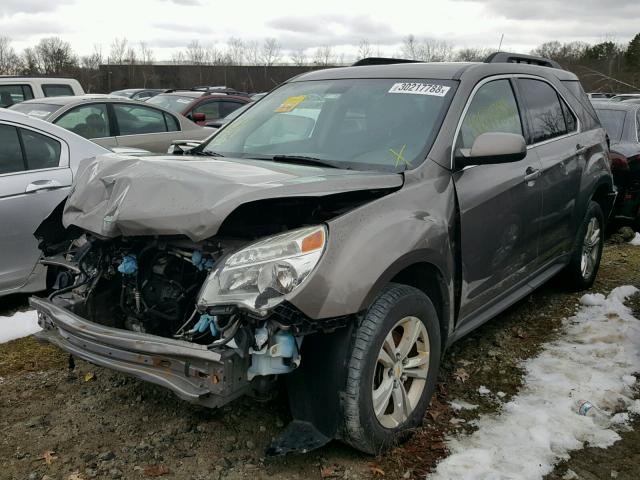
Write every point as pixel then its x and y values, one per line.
pixel 401 321
pixel 583 267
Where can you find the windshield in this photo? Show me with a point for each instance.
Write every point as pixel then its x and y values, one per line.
pixel 38 110
pixel 613 122
pixel 175 103
pixel 364 124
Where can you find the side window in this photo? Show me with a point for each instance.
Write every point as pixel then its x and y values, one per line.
pixel 210 109
pixel 493 109
pixel 638 125
pixel 138 120
pixel 40 151
pixel 172 123
pixel 10 153
pixel 547 119
pixel 227 107
pixel 52 90
pixel 569 117
pixel 12 94
pixel 88 121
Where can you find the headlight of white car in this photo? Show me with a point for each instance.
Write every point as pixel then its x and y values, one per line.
pixel 262 274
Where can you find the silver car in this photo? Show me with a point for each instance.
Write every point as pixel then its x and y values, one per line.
pixel 115 121
pixel 38 161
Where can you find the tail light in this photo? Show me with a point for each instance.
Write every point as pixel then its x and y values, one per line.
pixel 619 161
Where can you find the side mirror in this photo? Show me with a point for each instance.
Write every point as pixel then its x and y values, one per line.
pixel 199 117
pixel 493 147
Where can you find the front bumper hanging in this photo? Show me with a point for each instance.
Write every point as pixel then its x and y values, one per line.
pixel 194 373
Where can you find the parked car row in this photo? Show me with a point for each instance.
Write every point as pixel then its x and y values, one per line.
pixel 113 121
pixel 340 233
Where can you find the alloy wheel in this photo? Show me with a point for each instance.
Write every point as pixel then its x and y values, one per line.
pixel 401 371
pixel 590 248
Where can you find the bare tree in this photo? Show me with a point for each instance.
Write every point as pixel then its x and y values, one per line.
pixel 214 56
pixel 298 57
pixel 471 54
pixel 145 54
pixel 130 56
pixel 429 50
pixel 271 52
pixel 9 61
pixel 236 51
pixel 118 52
pixel 364 49
pixel 196 54
pixel 177 58
pixel 410 48
pixel 30 61
pixel 252 53
pixel 324 56
pixel 55 56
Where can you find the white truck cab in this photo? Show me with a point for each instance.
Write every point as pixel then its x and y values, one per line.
pixel 18 89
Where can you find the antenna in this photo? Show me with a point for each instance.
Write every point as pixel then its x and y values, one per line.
pixel 501 39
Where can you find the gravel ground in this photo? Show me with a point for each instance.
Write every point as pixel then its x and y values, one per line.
pixel 93 423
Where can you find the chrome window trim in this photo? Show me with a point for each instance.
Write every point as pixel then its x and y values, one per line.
pixel 523 108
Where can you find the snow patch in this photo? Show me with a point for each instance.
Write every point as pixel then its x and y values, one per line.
pixel 484 390
pixel 635 240
pixel 20 324
pixel 458 405
pixel 599 350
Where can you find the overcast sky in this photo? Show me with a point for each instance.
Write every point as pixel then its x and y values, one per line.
pixel 169 25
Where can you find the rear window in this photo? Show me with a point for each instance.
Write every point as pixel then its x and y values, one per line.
pixel 54 90
pixel 12 94
pixel 175 103
pixel 38 110
pixel 613 122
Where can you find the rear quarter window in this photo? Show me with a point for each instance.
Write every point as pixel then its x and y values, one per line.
pixel 56 90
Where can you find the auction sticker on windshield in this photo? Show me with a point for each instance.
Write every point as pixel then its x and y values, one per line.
pixel 418 88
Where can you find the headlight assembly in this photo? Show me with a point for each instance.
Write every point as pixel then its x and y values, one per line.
pixel 260 275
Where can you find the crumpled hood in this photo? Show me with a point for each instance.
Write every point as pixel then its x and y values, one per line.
pixel 114 195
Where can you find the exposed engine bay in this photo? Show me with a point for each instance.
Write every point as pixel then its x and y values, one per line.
pixel 152 286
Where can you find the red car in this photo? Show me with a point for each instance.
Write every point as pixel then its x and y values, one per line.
pixel 202 106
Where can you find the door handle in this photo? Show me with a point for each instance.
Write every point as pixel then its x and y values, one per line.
pixel 531 174
pixel 581 149
pixel 42 185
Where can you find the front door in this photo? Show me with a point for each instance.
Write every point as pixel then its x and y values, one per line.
pixel 34 178
pixel 499 207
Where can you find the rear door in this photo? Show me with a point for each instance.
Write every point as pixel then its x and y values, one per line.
pixel 90 121
pixel 500 205
pixel 34 178
pixel 561 148
pixel 140 126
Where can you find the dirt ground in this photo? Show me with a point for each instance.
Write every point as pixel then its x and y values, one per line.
pixel 93 423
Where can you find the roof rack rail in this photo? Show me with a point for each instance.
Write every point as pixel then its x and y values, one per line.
pixel 506 57
pixel 381 61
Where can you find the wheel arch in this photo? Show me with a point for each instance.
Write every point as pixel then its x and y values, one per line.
pixel 604 194
pixel 425 275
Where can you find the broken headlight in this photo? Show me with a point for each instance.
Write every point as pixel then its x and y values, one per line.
pixel 260 275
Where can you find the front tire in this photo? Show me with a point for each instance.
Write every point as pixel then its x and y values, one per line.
pixel 583 267
pixel 393 368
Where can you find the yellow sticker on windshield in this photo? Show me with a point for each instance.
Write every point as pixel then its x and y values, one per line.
pixel 290 103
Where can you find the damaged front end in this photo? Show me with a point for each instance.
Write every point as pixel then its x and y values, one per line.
pixel 195 317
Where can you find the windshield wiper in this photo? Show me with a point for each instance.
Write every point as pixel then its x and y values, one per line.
pixel 304 160
pixel 206 153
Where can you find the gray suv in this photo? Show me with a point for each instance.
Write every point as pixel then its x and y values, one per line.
pixel 339 235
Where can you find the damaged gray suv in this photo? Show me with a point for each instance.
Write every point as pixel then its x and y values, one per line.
pixel 339 235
